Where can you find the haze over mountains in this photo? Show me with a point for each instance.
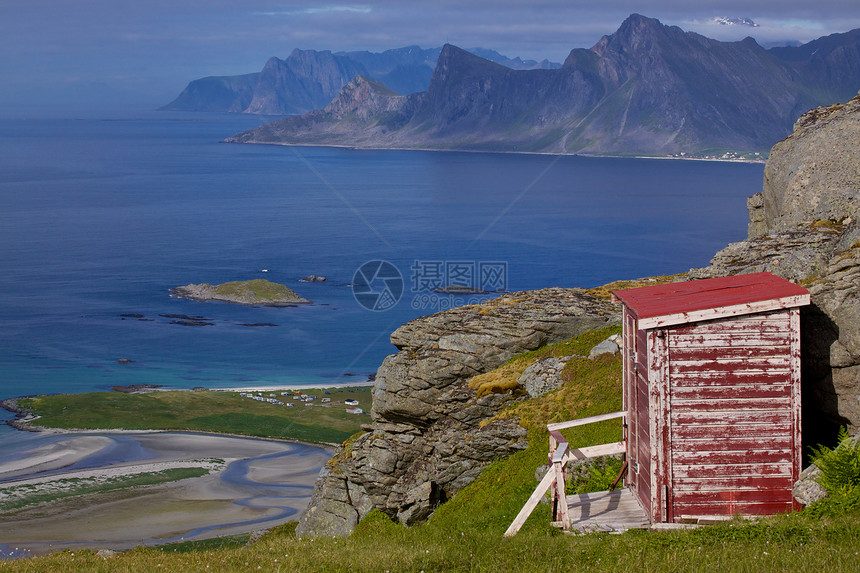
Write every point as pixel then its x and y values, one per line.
pixel 647 89
pixel 309 79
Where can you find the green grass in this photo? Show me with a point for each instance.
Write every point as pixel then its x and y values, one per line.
pixel 209 411
pixel 260 289
pixel 226 542
pixel 17 497
pixel 465 534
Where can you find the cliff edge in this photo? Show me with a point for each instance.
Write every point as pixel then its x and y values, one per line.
pixel 803 227
pixel 427 440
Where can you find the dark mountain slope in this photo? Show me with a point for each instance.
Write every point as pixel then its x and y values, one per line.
pixel 404 70
pixel 305 80
pixel 646 89
pixel 309 79
pixel 669 90
pixel 216 93
pixel 831 63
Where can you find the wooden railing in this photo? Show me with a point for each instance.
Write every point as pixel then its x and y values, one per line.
pixel 560 454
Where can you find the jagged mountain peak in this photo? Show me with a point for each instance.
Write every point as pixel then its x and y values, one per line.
pixel 638 34
pixel 298 52
pixel 646 89
pixel 457 60
pixel 363 97
pixel 453 54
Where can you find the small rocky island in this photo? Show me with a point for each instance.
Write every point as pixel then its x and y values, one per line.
pixel 257 292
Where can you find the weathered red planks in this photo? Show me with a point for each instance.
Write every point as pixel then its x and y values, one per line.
pixel 728 417
pixel 693 432
pixel 751 366
pixel 750 444
pixel 715 470
pixel 730 403
pixel 712 382
pixel 696 512
pixel 728 483
pixel 735 456
pixel 730 392
pixel 768 323
pixel 739 338
pixel 711 497
pixel 740 377
pixel 710 353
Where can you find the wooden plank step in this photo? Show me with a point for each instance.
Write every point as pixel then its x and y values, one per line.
pixel 616 510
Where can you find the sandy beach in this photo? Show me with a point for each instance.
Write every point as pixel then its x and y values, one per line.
pixel 252 484
pixel 362 383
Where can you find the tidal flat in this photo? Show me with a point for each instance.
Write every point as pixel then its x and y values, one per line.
pixel 245 484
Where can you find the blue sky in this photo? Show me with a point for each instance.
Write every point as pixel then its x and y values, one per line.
pixel 144 52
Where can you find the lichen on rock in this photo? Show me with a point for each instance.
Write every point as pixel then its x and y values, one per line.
pixel 430 435
pixel 803 227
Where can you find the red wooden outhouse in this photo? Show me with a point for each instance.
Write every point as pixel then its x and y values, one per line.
pixel 712 396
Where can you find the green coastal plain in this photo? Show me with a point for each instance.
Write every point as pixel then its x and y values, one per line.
pixel 465 533
pixel 223 412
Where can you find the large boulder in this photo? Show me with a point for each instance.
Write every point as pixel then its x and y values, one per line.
pixel 803 226
pixel 430 435
pixel 812 174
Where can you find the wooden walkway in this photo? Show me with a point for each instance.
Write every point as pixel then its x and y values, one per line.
pixel 607 511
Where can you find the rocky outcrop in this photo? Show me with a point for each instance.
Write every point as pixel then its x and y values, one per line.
pixel 807 490
pixel 803 226
pixel 430 435
pixel 543 376
pixel 812 175
pixel 256 292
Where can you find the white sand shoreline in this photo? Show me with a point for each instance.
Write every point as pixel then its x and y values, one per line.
pixel 293 387
pixel 194 508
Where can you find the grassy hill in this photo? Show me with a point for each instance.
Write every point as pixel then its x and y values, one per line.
pixel 465 534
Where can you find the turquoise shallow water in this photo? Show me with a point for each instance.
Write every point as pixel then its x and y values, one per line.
pixel 100 216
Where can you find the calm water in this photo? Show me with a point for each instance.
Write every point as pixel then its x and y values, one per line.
pixel 100 217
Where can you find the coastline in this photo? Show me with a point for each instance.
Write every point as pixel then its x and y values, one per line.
pixel 250 484
pixel 761 160
pixel 237 494
pixel 291 388
pixel 24 419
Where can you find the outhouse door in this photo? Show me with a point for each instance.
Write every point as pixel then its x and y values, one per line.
pixel 733 416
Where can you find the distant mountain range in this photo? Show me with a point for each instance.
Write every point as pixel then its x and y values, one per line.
pixel 646 89
pixel 309 79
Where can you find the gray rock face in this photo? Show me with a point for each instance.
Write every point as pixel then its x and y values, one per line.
pixel 812 174
pixel 807 490
pixel 543 376
pixel 803 226
pixel 427 440
pixel 608 346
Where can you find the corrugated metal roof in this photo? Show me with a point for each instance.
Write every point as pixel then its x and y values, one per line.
pixel 677 298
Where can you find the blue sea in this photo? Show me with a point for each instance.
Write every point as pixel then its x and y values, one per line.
pixel 101 214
